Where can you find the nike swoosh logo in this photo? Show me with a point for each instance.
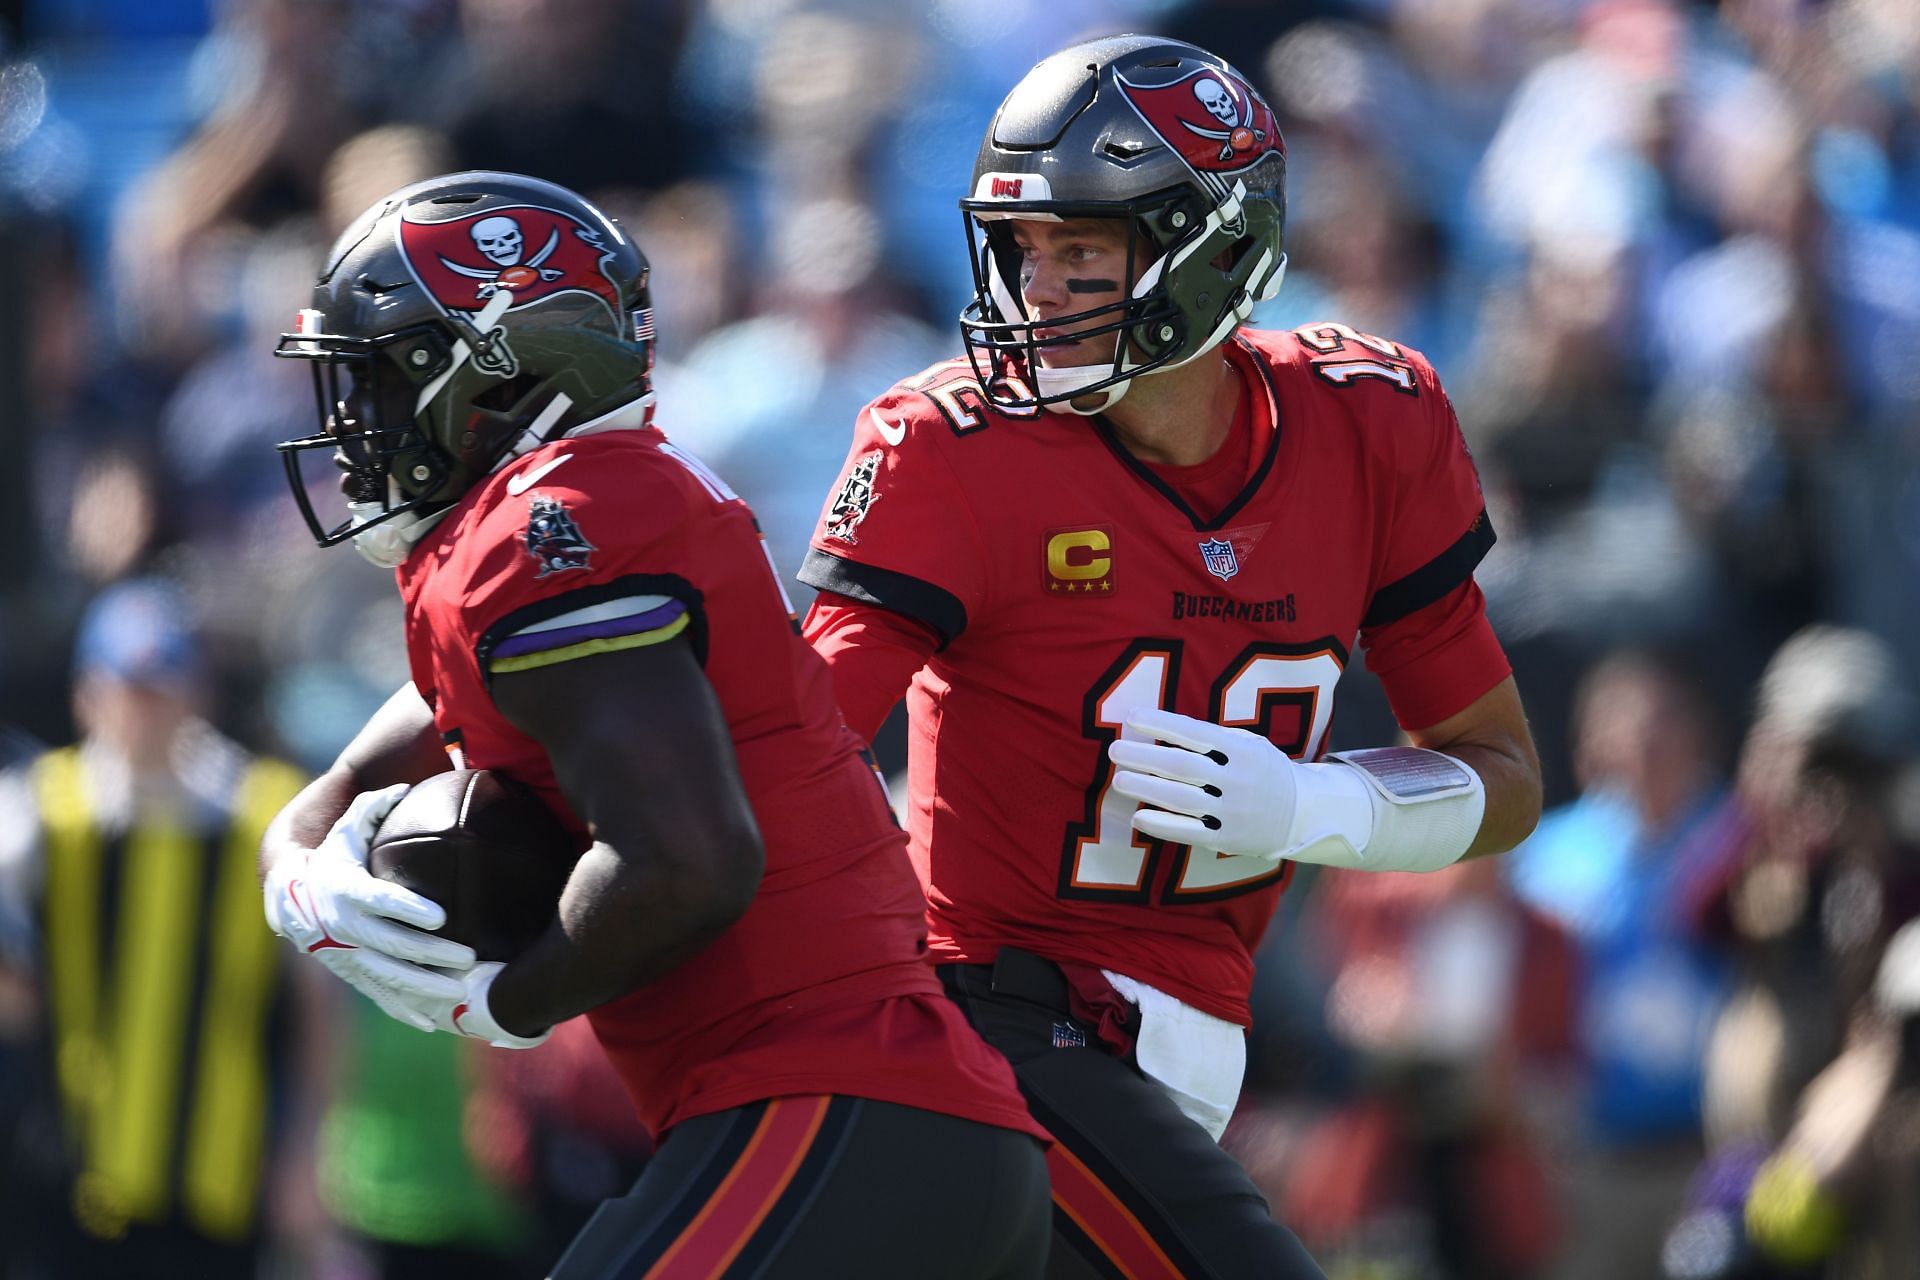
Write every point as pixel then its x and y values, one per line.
pixel 526 479
pixel 307 916
pixel 892 433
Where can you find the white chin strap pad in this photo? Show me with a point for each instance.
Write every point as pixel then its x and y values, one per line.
pixel 1065 381
pixel 389 543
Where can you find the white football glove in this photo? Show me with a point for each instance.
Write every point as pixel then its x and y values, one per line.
pixel 471 1016
pixel 1225 789
pixel 1210 786
pixel 328 904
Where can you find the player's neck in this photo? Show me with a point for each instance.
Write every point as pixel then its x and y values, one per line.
pixel 1180 416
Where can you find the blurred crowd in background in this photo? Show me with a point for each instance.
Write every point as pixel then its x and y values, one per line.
pixel 1666 257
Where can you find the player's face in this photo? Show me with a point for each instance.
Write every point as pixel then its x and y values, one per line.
pixel 366 404
pixel 1070 267
pixel 354 454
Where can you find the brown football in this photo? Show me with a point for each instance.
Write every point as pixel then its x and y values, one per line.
pixel 485 848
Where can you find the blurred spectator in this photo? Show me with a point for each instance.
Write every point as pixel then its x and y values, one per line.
pixel 182 231
pixel 1809 1087
pixel 368 165
pixel 1616 869
pixel 130 910
pixel 393 1167
pixel 769 401
pixel 1809 875
pixel 218 428
pixel 574 91
pixel 695 250
pixel 1453 1001
pixel 1553 396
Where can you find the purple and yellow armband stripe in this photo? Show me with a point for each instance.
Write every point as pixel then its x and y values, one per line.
pixel 631 622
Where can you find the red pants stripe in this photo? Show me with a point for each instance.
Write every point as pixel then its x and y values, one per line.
pixel 1108 1223
pixel 757 1180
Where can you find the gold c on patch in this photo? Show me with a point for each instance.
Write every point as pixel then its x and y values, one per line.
pixel 1079 562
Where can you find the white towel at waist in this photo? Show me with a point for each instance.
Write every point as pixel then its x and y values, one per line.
pixel 1197 1059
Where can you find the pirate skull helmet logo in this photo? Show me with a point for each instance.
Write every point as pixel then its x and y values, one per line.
pixel 503 243
pixel 1214 97
pixel 500 239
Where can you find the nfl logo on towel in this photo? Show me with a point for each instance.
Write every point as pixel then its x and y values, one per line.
pixel 1068 1036
pixel 1221 562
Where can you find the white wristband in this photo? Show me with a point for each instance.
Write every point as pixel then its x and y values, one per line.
pixel 473 1018
pixel 1386 809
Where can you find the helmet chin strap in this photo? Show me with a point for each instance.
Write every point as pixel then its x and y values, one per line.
pixel 389 543
pixel 1264 284
pixel 1064 382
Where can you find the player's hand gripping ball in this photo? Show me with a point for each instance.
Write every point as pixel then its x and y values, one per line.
pixel 485 848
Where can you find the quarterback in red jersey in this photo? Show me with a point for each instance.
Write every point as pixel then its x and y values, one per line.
pixel 1117 558
pixel 592 611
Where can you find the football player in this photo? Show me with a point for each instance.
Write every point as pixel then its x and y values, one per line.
pixel 1117 558
pixel 590 610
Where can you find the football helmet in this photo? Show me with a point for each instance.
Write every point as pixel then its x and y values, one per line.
pixel 1159 133
pixel 475 316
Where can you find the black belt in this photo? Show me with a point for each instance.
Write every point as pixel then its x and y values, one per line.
pixel 1020 974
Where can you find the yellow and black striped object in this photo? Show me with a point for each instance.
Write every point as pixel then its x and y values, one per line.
pixel 161 976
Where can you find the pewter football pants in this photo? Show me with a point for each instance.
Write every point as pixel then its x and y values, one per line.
pixel 1139 1189
pixel 825 1188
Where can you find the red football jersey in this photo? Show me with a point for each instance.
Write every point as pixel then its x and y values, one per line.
pixel 620 539
pixel 1070 583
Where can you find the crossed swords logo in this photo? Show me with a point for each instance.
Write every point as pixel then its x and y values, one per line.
pixel 490 280
pixel 1220 103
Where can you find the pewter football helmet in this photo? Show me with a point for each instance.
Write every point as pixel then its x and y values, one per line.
pixel 1156 132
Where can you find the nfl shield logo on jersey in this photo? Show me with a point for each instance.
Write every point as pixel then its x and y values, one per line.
pixel 1221 561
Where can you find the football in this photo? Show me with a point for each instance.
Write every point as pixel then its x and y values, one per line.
pixel 485 848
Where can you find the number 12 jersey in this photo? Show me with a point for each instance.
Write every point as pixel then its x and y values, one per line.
pixel 1068 582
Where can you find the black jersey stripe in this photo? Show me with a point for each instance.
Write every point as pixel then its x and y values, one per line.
pixel 903 593
pixel 1434 579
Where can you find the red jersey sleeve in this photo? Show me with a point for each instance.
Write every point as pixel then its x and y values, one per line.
pixel 1434 662
pixel 897 530
pixel 589 559
pixel 1425 628
pixel 872 653
pixel 1438 529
